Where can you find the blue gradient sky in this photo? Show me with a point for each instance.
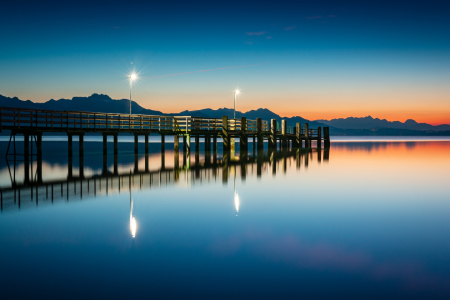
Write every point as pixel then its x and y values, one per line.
pixel 317 59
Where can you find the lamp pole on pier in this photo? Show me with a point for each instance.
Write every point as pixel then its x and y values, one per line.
pixel 133 77
pixel 235 93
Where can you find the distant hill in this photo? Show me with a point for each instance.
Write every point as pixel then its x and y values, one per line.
pixel 375 123
pixel 349 126
pixel 104 103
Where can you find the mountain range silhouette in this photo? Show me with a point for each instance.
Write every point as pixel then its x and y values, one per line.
pixel 348 126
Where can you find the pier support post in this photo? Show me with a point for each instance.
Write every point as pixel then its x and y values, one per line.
pixel 307 141
pixel 176 155
pixel 243 142
pixel 259 134
pixel 136 152
pixel 81 154
pixel 283 135
pixel 319 137
pixel 207 149
pixel 116 154
pixel 163 152
pixel 273 134
pixel 214 149
pixel 70 155
pixel 298 135
pixel 326 133
pixel 146 152
pixel 105 153
pixel 197 149
pixel 226 141
pixel 39 157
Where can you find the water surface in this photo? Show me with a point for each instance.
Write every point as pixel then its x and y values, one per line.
pixel 372 220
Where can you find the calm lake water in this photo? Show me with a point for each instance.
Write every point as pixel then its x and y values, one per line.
pixel 366 220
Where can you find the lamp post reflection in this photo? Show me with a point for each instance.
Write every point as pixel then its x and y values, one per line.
pixel 133 224
pixel 236 196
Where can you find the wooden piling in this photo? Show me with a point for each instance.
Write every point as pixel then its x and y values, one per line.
pixel 70 155
pixel 81 154
pixel 298 135
pixel 226 141
pixel 319 137
pixel 116 154
pixel 307 141
pixel 259 134
pixel 283 135
pixel 243 141
pixel 273 134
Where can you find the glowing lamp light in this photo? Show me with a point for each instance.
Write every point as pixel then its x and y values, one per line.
pixel 133 76
pixel 237 92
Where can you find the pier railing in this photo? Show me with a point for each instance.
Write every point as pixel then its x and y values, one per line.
pixel 22 118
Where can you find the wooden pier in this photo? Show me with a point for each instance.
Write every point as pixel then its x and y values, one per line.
pixel 34 123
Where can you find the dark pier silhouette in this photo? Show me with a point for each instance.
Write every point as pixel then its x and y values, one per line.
pixel 33 123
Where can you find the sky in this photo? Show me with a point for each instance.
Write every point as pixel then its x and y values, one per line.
pixel 314 59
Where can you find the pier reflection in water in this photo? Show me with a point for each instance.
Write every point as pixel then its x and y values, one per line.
pixel 362 221
pixel 90 184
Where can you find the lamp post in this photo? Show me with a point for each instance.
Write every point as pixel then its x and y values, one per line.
pixel 235 93
pixel 133 77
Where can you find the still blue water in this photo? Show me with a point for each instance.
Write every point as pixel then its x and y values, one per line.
pixel 371 222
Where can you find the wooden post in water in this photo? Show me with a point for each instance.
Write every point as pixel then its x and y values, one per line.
pixel 307 141
pixel 146 152
pixel 259 134
pixel 136 152
pixel 283 135
pixel 81 154
pixel 226 141
pixel 319 137
pixel 105 153
pixel 116 154
pixel 326 133
pixel 70 154
pixel 298 135
pixel 243 140
pixel 39 156
pixel 197 149
pixel 273 134
pixel 214 149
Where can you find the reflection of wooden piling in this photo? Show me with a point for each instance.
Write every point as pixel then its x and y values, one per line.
pixel 225 168
pixel 298 157
pixel 259 162
pixel 70 155
pixel 319 155
pixel 81 154
pixel 273 161
pixel 326 154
